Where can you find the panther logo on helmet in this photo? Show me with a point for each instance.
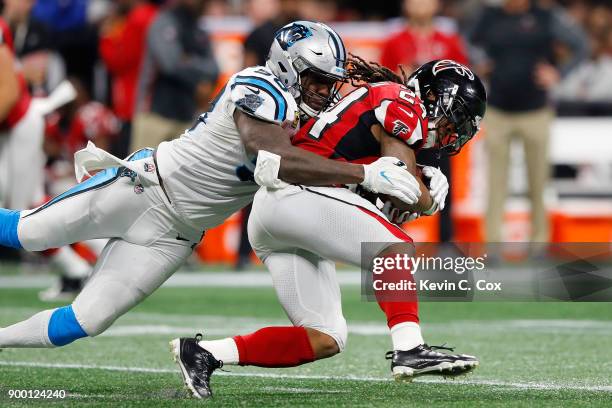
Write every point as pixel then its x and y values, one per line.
pixel 443 65
pixel 290 35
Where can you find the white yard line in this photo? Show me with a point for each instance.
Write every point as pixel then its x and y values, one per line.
pixel 514 385
pixel 229 326
pixel 229 279
pixel 142 323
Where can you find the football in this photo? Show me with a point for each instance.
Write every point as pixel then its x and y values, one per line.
pixel 399 204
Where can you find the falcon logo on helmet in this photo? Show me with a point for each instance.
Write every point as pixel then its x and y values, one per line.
pixel 443 65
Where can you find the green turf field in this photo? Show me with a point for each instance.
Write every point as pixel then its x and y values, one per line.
pixel 532 354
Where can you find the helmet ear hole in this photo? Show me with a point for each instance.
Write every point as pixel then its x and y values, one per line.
pixel 282 67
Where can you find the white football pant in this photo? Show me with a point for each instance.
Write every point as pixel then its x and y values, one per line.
pixel 298 232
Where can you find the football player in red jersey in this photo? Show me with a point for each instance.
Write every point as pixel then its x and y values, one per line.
pixel 300 231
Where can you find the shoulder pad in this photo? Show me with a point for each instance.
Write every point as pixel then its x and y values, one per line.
pixel 257 92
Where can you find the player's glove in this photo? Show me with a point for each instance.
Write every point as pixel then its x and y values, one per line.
pixel 438 187
pixel 397 216
pixel 389 176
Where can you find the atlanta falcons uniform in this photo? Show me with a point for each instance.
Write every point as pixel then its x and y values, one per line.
pixel 21 156
pixel 299 231
pixel 154 206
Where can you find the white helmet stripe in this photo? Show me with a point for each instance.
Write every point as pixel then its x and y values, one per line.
pixel 338 44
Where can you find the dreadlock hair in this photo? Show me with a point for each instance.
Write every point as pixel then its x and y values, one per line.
pixel 360 71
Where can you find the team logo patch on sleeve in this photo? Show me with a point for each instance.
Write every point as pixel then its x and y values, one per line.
pixel 399 128
pixel 250 102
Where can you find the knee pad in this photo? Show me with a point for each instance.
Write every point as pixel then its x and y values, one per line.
pixel 96 316
pixel 103 300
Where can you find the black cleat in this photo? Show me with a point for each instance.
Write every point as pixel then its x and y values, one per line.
pixel 424 359
pixel 196 364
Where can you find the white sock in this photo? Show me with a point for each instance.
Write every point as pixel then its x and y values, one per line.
pixel 225 350
pixel 32 332
pixel 406 336
pixel 71 264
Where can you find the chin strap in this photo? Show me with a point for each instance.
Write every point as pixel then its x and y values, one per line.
pixel 307 110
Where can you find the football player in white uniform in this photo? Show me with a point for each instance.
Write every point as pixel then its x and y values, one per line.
pixel 155 205
pixel 299 231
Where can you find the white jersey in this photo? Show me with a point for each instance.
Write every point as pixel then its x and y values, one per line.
pixel 207 172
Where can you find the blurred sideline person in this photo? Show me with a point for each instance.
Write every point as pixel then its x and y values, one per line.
pixel 419 42
pixel 591 81
pixel 122 46
pixel 155 205
pixel 299 232
pixel 22 159
pixel 67 131
pixel 179 70
pixel 72 34
pixel 42 67
pixel 518 38
pixel 257 43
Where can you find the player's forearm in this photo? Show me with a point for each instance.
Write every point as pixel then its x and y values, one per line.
pixel 425 201
pixel 297 165
pixel 391 146
pixel 303 167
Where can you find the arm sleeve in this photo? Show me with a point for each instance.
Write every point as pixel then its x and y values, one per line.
pixel 170 57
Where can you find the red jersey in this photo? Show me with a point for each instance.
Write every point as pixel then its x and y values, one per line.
pixel 20 108
pixel 343 132
pixel 412 49
pixel 122 50
pixel 92 121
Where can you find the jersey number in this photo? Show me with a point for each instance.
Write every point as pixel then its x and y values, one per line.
pixel 329 118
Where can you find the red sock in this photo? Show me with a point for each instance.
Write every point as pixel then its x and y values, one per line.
pixel 399 307
pixel 275 347
pixel 400 312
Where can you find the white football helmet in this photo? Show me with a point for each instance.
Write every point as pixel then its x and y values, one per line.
pixel 305 45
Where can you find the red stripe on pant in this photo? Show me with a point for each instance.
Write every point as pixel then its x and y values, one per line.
pixel 397 311
pixel 394 229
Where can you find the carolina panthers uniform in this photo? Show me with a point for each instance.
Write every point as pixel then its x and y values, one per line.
pixel 153 207
pixel 206 172
pixel 299 231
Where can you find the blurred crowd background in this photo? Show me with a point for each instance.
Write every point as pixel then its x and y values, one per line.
pixel 145 69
